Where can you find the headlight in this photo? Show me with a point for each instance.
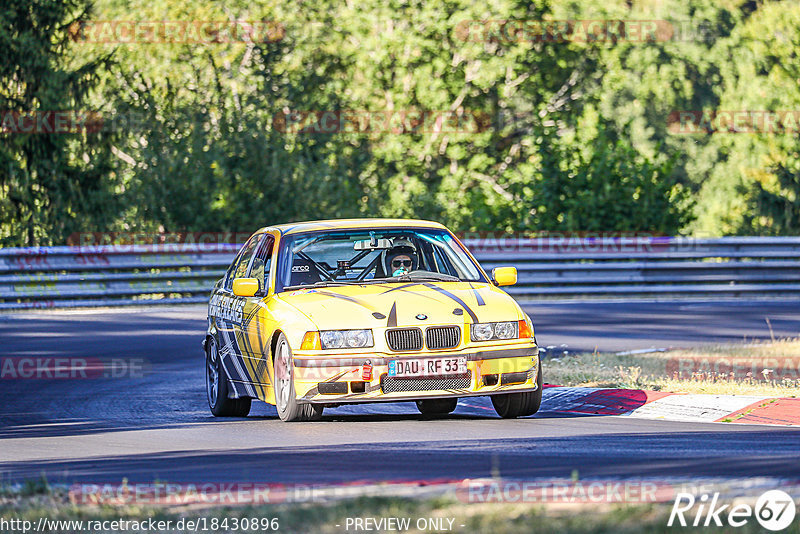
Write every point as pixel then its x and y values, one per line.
pixel 489 331
pixel 482 332
pixel 332 339
pixel 505 330
pixel 346 339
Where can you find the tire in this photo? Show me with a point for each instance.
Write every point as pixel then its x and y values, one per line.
pixel 511 405
pixel 217 387
pixel 285 397
pixel 436 406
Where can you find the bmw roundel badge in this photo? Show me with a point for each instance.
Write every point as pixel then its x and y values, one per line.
pixel 421 316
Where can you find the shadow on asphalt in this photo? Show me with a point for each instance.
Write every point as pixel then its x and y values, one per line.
pixel 622 455
pixel 81 428
pixel 265 413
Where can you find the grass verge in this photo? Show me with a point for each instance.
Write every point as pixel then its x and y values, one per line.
pixel 770 369
pixel 332 518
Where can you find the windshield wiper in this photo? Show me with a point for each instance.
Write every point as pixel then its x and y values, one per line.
pixel 414 276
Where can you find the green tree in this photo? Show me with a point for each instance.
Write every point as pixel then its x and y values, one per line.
pixel 753 188
pixel 615 189
pixel 775 200
pixel 50 184
pixel 200 150
pixel 558 134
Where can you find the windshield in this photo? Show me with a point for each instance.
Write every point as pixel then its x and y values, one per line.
pixel 372 256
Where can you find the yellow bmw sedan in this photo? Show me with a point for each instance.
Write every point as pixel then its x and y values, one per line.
pixel 328 313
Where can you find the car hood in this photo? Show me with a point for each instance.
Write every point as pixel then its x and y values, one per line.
pixel 400 304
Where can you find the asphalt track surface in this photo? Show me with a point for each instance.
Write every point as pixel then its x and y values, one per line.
pixel 158 427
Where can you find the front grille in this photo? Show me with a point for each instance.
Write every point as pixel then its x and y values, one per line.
pixel 442 337
pixel 391 385
pixel 400 339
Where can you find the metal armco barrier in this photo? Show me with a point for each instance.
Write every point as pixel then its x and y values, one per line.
pixel 55 277
pixel 657 267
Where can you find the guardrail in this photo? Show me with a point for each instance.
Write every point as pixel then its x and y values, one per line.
pixel 652 267
pixel 648 267
pixel 50 277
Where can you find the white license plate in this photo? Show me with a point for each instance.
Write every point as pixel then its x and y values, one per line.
pixel 422 367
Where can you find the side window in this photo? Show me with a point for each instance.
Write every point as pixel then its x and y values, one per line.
pixel 443 265
pixel 239 267
pixel 262 263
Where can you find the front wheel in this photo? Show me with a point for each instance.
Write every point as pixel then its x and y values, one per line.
pixel 217 387
pixel 285 398
pixel 511 405
pixel 436 406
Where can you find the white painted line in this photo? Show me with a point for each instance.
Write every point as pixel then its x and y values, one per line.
pixel 695 408
pixel 640 351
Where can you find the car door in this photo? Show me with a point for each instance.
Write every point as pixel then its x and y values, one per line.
pixel 229 314
pixel 258 324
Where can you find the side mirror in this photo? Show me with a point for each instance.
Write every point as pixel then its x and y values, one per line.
pixel 245 287
pixel 503 276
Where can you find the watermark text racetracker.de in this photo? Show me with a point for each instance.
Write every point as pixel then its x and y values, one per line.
pixel 744 368
pixel 89 242
pixel 71 368
pixel 605 31
pixel 176 31
pixel 220 493
pixel 149 525
pixel 743 121
pixel 566 491
pixel 50 121
pixel 622 243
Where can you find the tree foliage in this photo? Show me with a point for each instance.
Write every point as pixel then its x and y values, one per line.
pixel 50 184
pixel 568 135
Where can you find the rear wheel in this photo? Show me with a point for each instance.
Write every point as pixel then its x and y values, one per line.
pixel 436 406
pixel 217 387
pixel 285 398
pixel 511 405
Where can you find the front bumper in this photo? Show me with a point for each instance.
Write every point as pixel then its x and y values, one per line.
pixel 488 370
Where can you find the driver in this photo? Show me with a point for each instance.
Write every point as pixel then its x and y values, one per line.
pixel 402 257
